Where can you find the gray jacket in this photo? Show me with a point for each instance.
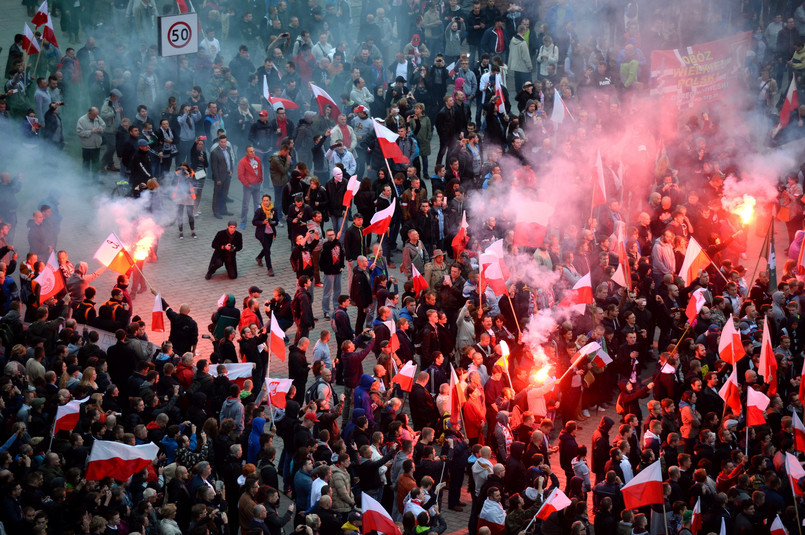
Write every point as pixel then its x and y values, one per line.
pixel 233 408
pixel 84 127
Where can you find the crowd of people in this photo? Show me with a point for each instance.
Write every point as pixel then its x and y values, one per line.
pixel 488 422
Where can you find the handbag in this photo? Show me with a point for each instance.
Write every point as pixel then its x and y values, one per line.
pixel 784 214
pixel 201 174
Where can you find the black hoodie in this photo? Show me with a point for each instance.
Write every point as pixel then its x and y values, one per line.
pixel 601 446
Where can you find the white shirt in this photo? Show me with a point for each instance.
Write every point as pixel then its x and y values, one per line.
pixel 315 491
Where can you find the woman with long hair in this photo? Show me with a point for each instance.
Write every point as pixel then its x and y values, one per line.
pixel 265 230
pixel 184 195
pixel 199 164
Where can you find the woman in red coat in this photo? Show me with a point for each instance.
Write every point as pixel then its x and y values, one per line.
pixel 474 415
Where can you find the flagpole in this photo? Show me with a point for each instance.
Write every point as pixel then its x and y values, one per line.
pixel 762 248
pixel 747 434
pixel 576 363
pixel 664 515
pixel 344 219
pixel 52 432
pixel 514 313
pixel 36 65
pixel 794 494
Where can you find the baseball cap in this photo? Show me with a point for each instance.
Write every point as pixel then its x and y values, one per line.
pixel 311 416
pixel 142 143
pixel 263 113
pixel 37 402
pixel 361 109
pixel 255 290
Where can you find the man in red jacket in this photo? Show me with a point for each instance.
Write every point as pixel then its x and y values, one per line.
pixel 250 174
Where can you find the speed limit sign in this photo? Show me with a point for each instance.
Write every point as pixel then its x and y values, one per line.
pixel 178 34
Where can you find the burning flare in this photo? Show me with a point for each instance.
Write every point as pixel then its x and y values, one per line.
pixel 743 207
pixel 541 375
pixel 142 249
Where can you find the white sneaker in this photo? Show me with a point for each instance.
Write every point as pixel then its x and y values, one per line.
pixel 601 409
pixel 585 413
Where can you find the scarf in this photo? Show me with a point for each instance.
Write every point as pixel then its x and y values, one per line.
pixel 345 135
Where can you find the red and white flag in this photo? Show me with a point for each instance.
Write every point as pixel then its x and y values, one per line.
pixel 730 348
pixel 696 519
pixel 420 284
pixel 599 185
pixel 405 377
pixel 277 102
pixel 381 220
pixel 601 359
pixel 578 297
pixel 791 103
pixel 236 372
pixel 795 473
pixel 394 342
pixel 457 395
pixel 623 274
pixel 695 303
pixel 531 224
pixel 323 100
pixel 118 461
pixel 493 517
pixel 731 392
pixel 756 405
pixel 799 431
pixel 645 488
pixel 29 43
pixel 114 255
pixel 801 260
pixel 67 415
pixel 451 69
pixel 695 261
pixel 158 316
pixel 376 518
pixel 492 275
pixel 802 384
pixel 498 248
pixel 388 143
pixel 277 389
pixel 459 242
pixel 501 103
pixel 41 15
pixel 276 339
pixel 777 527
pixel 50 280
pixel 352 189
pixel 768 362
pixel 556 501
pixel 589 349
pixel 559 110
pixel 48 33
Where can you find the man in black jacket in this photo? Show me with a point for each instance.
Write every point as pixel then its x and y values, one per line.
pixel 331 264
pixel 355 244
pixel 368 471
pixel 423 408
pixel 184 329
pixel 360 291
pixel 225 245
pixel 121 362
pixel 140 170
pixel 273 520
pixel 302 310
pixel 298 367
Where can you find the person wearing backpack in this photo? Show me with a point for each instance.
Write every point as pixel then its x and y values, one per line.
pixel 302 310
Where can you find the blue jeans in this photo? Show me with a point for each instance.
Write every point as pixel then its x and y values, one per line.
pixel 254 193
pixel 330 292
pixel 520 78
pixel 277 200
pixel 336 222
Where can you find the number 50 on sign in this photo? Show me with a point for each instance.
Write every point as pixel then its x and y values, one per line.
pixel 178 34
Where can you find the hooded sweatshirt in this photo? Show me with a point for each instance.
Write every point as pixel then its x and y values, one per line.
pixel 254 439
pixel 601 445
pixel 362 398
pixel 233 408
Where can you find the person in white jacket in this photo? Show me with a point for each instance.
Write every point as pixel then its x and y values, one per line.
pixel 520 58
pixel 548 55
pixel 90 129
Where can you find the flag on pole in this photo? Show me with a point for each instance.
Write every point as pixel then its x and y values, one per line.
pixel 531 224
pixel 589 349
pixel 799 431
pixel 113 255
pixel 41 15
pixel 67 415
pixel 559 110
pixel 579 296
pixel 157 317
pixel 277 102
pixel 767 251
pixel 790 104
pixel 645 488
pixel 460 240
pixel 623 274
pixel 324 100
pixel 276 339
pixel 695 303
pixel 777 527
pixel 731 392
pixel 768 362
pixel 48 33
pixel 352 189
pixel 696 519
pixel 394 341
pixel 599 185
pixel 497 248
pixel 492 274
pixel 457 394
pixel 795 473
pixel 277 389
pixel 50 280
pixel 29 43
pixel 381 220
pixel 556 501
pixel 388 143
pixel 451 69
pixel 405 377
pixel 730 347
pixel 236 372
pixel 601 359
pixel 420 284
pixel 118 461
pixel 376 518
pixel 756 405
pixel 501 102
pixel 695 261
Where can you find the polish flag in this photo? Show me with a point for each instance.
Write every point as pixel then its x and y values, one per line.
pixel 768 362
pixel 795 473
pixel 157 317
pixel 405 377
pixel 730 348
pixel 41 15
pixel 276 339
pixel 457 394
pixel 394 342
pixel 491 274
pixel 777 527
pixel 695 304
pixel 113 255
pixel 67 415
pixel 388 143
pixel 731 392
pixel 381 220
pixel 601 359
pixel 277 102
pixel 599 186
pixel 645 488
pixel 559 110
pixel 799 431
pixel 29 43
pixel 352 189
pixel 277 389
pixel 696 519
pixel 451 69
pixel 791 103
pixel 118 461
pixel 589 349
pixel 497 248
pixel 556 501
pixel 493 517
pixel 50 280
pixel 531 224
pixel 48 33
pixel 323 99
pixel 696 260
pixel 420 285
pixel 501 103
pixel 579 296
pixel 460 240
pixel 236 372
pixel 756 405
pixel 801 261
pixel 376 518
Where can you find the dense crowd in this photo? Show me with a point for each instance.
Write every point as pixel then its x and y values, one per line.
pixel 524 100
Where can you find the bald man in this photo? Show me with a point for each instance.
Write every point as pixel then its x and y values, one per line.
pixel 423 408
pixel 184 329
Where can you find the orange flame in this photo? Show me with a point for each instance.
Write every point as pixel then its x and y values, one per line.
pixel 743 207
pixel 541 375
pixel 143 247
